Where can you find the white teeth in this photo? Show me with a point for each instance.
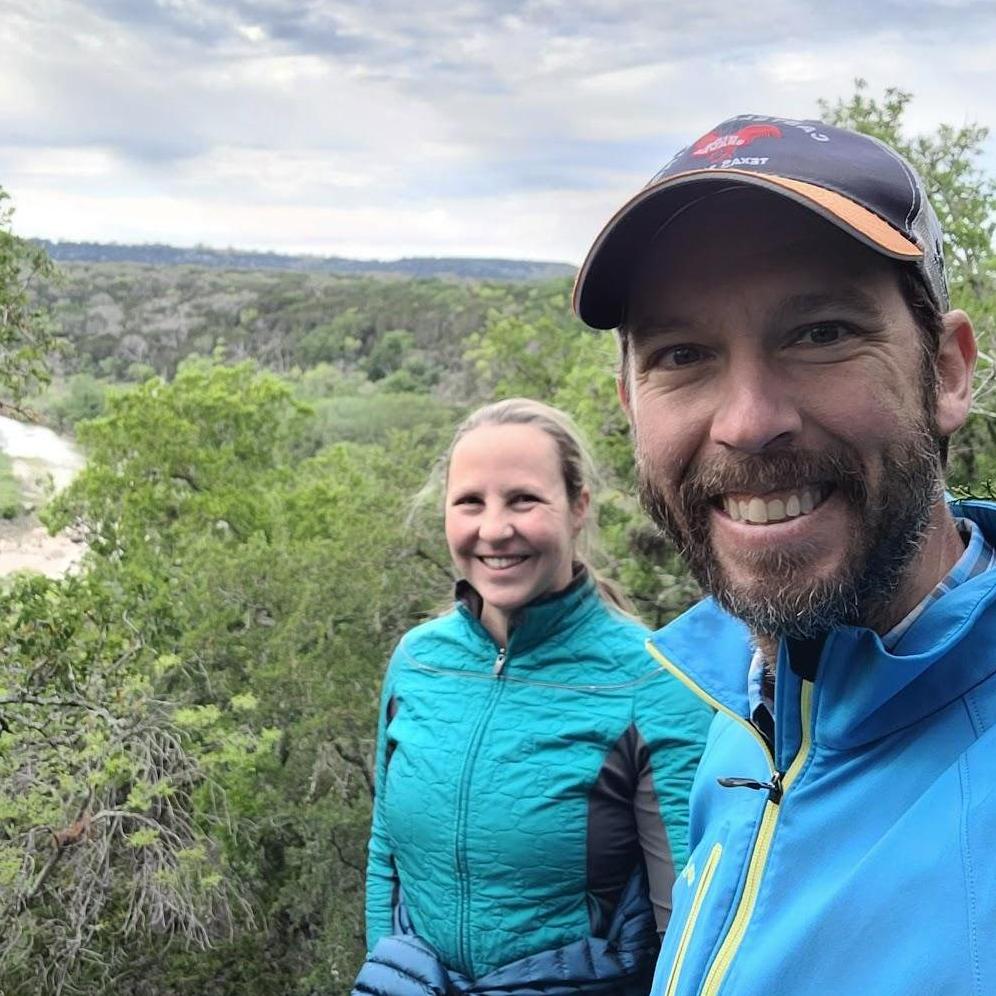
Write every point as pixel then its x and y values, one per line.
pixel 500 563
pixel 757 511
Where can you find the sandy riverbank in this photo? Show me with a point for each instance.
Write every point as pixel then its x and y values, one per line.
pixel 42 462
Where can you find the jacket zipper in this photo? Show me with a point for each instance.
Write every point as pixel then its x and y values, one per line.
pixel 463 804
pixel 499 664
pixel 693 913
pixel 777 788
pixel 759 857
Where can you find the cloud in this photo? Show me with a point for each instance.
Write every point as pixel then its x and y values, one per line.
pixel 425 124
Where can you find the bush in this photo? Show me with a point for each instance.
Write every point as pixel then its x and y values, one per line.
pixel 11 496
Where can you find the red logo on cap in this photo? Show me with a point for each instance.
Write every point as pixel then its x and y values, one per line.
pixel 717 147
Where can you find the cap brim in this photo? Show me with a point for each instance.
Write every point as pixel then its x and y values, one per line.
pixel 603 281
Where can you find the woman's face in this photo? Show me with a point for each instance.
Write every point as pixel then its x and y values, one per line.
pixel 509 524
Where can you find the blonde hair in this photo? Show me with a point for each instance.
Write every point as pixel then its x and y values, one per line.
pixel 576 467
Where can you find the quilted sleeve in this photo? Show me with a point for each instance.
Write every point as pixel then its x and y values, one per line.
pixel 382 882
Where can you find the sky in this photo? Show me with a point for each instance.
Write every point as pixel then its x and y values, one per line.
pixel 393 128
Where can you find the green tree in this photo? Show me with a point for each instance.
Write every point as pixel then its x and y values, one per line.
pixel 78 398
pixel 106 853
pixel 337 340
pixel 27 338
pixel 276 586
pixel 130 775
pixel 388 353
pixel 964 198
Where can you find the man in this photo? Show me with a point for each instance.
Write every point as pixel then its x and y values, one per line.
pixel 792 371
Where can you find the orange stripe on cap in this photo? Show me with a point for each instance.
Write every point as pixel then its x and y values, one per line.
pixel 846 214
pixel 852 214
pixel 836 208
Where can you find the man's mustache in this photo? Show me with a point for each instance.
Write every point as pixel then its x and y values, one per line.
pixel 744 473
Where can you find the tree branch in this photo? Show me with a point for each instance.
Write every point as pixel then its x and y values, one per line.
pixel 354 759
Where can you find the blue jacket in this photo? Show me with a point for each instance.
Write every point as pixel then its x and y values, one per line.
pixel 618 964
pixel 859 858
pixel 519 789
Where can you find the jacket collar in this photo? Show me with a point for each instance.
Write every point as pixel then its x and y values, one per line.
pixel 861 691
pixel 541 618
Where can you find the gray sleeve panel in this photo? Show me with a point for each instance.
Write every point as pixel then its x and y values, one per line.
pixel 389 713
pixel 625 825
pixel 653 837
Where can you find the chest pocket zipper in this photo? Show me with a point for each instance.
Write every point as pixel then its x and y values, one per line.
pixel 689 926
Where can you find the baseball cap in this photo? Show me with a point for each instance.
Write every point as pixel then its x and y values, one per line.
pixel 854 181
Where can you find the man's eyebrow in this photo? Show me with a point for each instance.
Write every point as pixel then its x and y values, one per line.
pixel 851 299
pixel 659 326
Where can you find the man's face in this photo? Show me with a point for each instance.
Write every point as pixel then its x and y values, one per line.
pixel 784 428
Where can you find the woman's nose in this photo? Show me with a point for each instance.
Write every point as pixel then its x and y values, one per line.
pixel 495 526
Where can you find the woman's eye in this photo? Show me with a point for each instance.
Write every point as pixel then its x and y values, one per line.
pixel 467 500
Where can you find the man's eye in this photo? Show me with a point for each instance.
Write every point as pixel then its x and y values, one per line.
pixel 823 334
pixel 467 500
pixel 678 356
pixel 525 499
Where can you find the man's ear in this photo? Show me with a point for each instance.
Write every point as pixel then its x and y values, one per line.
pixel 622 390
pixel 955 365
pixel 624 373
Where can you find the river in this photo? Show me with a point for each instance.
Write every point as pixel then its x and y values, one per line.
pixel 41 460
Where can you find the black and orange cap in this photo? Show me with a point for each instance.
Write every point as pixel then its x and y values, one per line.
pixel 854 181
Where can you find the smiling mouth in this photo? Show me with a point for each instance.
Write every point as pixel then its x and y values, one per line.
pixel 774 506
pixel 503 563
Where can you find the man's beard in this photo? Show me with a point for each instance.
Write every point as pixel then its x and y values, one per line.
pixel 888 531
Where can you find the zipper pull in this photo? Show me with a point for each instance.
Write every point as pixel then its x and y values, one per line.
pixel 499 662
pixel 774 787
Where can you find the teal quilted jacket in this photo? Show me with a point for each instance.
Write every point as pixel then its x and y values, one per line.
pixel 519 789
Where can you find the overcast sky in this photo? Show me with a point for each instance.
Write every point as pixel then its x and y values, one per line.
pixel 421 127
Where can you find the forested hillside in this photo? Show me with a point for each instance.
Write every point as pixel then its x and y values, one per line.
pixel 117 315
pixel 469 268
pixel 186 724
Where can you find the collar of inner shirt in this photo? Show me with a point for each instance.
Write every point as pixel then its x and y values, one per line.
pixel 979 556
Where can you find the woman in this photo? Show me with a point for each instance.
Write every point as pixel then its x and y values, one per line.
pixel 533 763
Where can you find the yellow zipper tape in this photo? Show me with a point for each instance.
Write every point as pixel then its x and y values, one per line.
pixel 693 913
pixel 759 858
pixel 674 670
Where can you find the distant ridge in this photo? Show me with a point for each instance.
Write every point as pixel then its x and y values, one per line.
pixel 232 259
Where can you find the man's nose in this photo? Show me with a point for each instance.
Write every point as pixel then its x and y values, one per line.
pixel 755 411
